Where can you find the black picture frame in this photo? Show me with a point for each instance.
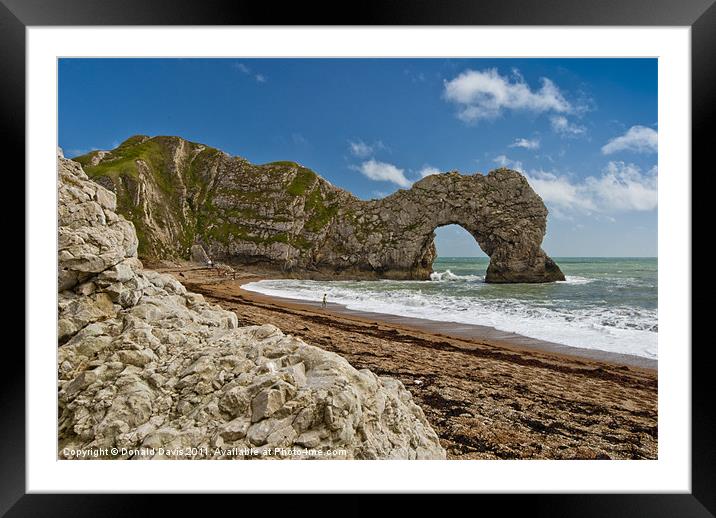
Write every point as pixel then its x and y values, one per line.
pixel 700 15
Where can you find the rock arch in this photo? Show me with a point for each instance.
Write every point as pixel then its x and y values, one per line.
pixel 179 193
pixel 394 237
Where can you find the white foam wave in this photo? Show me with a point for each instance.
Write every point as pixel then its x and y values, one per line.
pixel 620 329
pixel 576 279
pixel 447 275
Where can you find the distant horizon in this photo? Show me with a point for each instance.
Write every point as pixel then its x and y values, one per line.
pixel 583 131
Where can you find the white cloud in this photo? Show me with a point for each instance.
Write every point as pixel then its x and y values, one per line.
pixel 244 69
pixel 485 94
pixel 383 172
pixel 559 193
pixel 620 187
pixel 415 77
pixel 526 143
pixel 562 125
pixel 427 170
pixel 624 187
pixel 360 149
pixel 504 161
pixel 299 139
pixel 638 139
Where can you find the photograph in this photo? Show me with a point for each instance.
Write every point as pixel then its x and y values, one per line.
pixel 353 258
pixel 447 247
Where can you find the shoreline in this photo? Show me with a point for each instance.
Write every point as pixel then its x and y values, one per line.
pixel 486 394
pixel 485 334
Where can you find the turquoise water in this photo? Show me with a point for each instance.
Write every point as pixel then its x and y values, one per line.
pixel 608 304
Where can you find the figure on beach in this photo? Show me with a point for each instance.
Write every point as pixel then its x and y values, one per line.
pixel 323 304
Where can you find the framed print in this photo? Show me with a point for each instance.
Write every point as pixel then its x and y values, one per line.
pixel 447 248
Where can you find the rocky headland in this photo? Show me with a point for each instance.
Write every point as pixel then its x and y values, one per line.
pixel 181 194
pixel 147 366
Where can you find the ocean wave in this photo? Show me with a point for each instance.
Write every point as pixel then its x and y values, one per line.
pixel 615 328
pixel 447 275
pixel 576 279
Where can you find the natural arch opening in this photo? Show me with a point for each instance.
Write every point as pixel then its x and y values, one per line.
pixel 455 241
pixel 457 253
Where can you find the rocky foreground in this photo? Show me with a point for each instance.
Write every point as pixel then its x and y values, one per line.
pixel 155 371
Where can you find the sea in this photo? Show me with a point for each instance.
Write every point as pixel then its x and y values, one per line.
pixel 608 304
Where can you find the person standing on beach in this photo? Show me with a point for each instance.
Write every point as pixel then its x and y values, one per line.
pixel 323 304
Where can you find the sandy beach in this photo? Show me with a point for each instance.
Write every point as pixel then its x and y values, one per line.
pixel 488 394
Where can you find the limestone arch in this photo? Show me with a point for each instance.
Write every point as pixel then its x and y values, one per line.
pixel 500 210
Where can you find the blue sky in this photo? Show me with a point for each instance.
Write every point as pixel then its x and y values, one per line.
pixel 583 131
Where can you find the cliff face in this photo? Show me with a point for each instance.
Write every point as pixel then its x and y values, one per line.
pixel 144 364
pixel 179 193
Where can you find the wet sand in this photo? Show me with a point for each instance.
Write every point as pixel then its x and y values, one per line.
pixel 488 394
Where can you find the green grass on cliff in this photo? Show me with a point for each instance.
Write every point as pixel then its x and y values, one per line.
pixel 154 152
pixel 120 167
pixel 195 176
pixel 320 213
pixel 123 160
pixel 301 182
pixel 305 183
pixel 226 232
pixel 239 221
